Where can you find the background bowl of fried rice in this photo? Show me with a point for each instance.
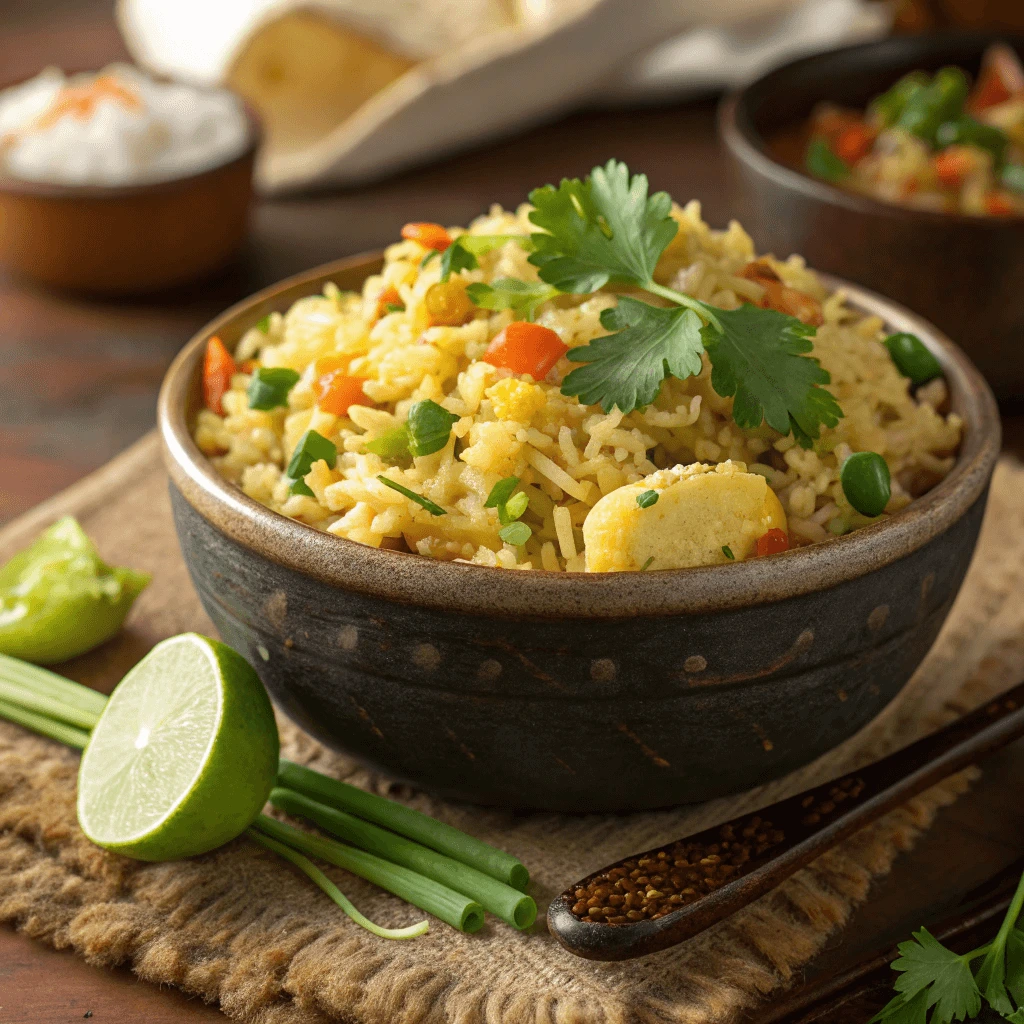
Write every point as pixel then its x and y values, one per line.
pixel 570 691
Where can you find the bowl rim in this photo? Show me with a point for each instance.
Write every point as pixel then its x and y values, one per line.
pixel 451 586
pixel 736 127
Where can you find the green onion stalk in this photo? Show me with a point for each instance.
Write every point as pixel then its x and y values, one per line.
pixel 427 863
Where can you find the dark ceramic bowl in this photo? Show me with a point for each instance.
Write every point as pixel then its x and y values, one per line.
pixel 574 692
pixel 966 274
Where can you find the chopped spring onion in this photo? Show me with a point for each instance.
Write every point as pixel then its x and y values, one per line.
pixel 44 725
pixel 427 430
pixel 445 904
pixel 513 508
pixel 727 551
pixel 511 905
pixel 405 821
pixel 42 681
pixel 823 163
pixel 269 387
pixel 434 510
pixel 501 492
pixel 312 447
pixel 263 324
pixel 311 871
pixel 516 534
pixel 395 307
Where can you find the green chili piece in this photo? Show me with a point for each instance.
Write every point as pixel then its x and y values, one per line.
pixel 942 100
pixel 966 131
pixel 823 163
pixel 890 105
pixel 911 357
pixel 59 599
pixel 866 483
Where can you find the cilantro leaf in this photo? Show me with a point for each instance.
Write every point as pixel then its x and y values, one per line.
pixel 431 507
pixel 647 499
pixel 625 369
pixel 598 230
pixel 1015 965
pixel 463 252
pixel 759 358
pixel 901 1010
pixel 455 258
pixel 269 387
pixel 522 297
pixel 430 255
pixel 928 966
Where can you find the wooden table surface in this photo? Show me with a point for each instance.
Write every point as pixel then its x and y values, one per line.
pixel 78 382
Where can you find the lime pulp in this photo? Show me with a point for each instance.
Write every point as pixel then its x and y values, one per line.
pixel 184 755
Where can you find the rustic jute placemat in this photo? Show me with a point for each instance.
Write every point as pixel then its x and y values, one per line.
pixel 241 927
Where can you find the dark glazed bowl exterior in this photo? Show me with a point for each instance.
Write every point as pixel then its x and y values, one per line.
pixel 965 274
pixel 574 692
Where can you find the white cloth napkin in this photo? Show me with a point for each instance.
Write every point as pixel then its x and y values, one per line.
pixel 561 54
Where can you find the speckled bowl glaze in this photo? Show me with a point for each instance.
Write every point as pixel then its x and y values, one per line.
pixel 574 692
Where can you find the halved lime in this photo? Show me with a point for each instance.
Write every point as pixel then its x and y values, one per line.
pixel 184 755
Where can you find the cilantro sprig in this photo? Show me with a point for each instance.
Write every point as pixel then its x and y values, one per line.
pixel 934 978
pixel 609 230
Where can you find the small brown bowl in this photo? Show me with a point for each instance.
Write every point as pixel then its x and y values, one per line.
pixel 574 691
pixel 964 273
pixel 127 240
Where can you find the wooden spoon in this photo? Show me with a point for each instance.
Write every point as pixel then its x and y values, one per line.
pixel 777 840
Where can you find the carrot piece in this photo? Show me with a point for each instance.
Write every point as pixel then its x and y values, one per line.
pixel 525 348
pixel 337 393
pixel 998 204
pixel 218 369
pixel 388 297
pixel 79 101
pixel 854 142
pixel 953 165
pixel 772 542
pixel 430 236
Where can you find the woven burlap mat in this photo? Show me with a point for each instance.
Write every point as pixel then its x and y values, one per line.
pixel 241 927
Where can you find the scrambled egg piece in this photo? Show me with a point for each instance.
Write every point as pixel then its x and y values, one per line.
pixel 700 511
pixel 516 400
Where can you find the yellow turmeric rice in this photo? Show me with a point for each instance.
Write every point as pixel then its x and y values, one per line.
pixel 567 456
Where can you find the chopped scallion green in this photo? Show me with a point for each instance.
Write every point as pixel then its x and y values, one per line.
pixel 434 510
pixel 501 492
pixel 727 551
pixel 270 386
pixel 312 447
pixel 516 534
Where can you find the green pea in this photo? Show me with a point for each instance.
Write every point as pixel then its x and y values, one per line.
pixel 911 357
pixel 1013 177
pixel 823 163
pixel 59 599
pixel 966 131
pixel 866 483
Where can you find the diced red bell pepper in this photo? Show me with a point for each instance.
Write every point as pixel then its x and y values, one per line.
pixel 525 348
pixel 772 542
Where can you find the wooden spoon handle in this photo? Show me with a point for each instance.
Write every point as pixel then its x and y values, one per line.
pixel 730 865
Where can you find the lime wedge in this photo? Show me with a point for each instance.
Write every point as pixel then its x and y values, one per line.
pixel 184 755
